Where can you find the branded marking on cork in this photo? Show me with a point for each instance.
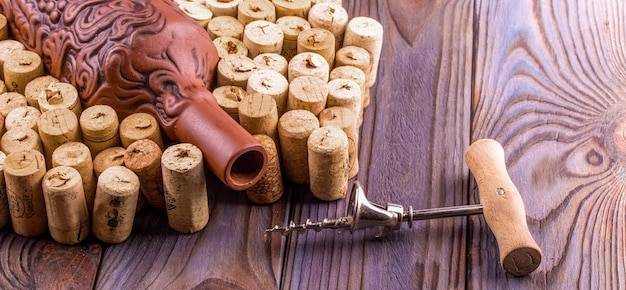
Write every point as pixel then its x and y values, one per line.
pixel 113 218
pixel 170 201
pixel 20 206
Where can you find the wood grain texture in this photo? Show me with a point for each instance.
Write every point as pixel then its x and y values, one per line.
pixel 42 263
pixel 231 252
pixel 412 142
pixel 550 86
pixel 545 78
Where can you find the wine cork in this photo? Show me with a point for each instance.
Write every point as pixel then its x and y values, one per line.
pixel 21 67
pixel 5 216
pixel 3 87
pixel 258 114
pixel 332 17
pixel 68 218
pixel 115 204
pixel 272 61
pixel 307 93
pixel 228 98
pixel 291 26
pixel 20 139
pixel 56 127
pixel 320 41
pixel 294 128
pixel 59 95
pixel 10 101
pixel 262 36
pixel 23 173
pixel 198 12
pixel 77 156
pixel 6 48
pixel 272 83
pixel 308 64
pixel 328 163
pixel 139 126
pixel 35 87
pixel 345 93
pixel 112 157
pixel 100 128
pixel 367 33
pixel 345 119
pixel 252 10
pixel 184 184
pixel 23 117
pixel 109 157
pixel 354 74
pixel 224 7
pixel 144 158
pixel 225 26
pixel 360 58
pixel 270 187
pixel 227 45
pixel 4 28
pixel 234 70
pixel 299 8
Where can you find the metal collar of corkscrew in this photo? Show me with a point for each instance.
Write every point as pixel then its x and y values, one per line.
pixel 501 205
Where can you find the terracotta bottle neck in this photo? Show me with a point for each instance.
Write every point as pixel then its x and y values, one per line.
pixel 230 152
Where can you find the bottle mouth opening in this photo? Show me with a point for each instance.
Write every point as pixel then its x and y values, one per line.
pixel 246 169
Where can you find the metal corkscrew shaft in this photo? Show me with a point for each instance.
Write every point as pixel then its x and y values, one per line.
pixel 343 222
pixel 362 214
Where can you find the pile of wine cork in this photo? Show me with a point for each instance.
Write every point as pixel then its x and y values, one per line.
pixel 289 70
pixel 72 171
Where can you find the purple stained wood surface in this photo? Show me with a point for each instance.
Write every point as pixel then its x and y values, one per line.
pixel 549 85
pixel 42 263
pixel 411 152
pixel 545 78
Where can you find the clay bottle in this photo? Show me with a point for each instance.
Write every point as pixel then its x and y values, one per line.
pixel 141 56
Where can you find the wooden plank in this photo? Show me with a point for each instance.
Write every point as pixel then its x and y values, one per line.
pixel 42 263
pixel 550 86
pixel 231 252
pixel 411 153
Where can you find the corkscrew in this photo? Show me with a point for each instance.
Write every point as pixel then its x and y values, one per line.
pixel 501 205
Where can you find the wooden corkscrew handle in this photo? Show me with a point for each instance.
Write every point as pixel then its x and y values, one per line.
pixel 503 208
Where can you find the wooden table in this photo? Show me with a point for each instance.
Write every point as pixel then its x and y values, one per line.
pixel 545 78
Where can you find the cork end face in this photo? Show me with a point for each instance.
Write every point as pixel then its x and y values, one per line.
pixel 522 261
pixel 247 169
